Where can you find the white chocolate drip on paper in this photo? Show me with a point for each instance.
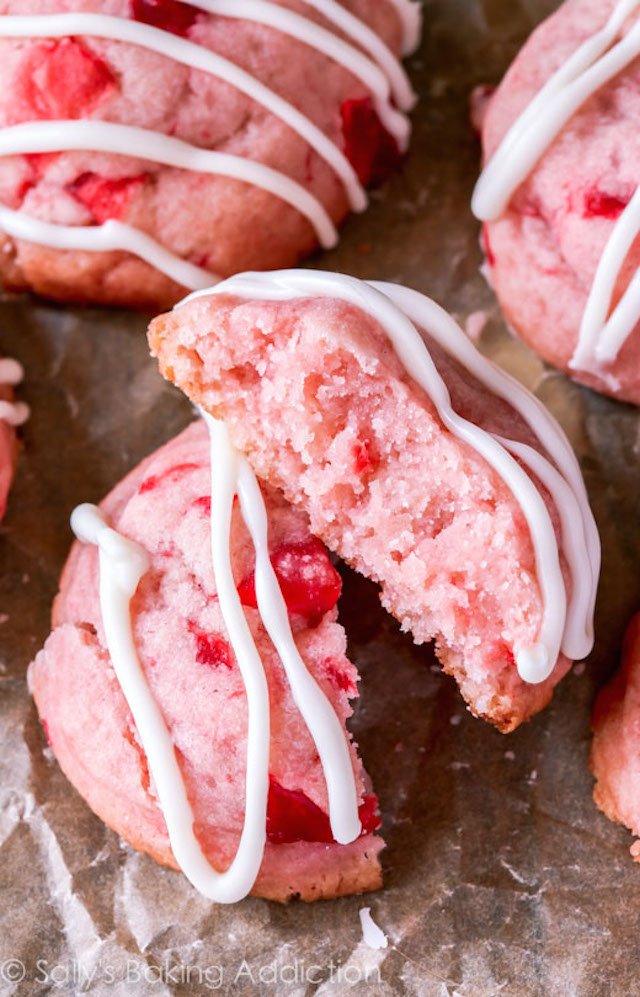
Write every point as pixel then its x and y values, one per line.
pixel 567 625
pixel 597 61
pixel 122 565
pixel 379 71
pixel 12 373
pixel 372 935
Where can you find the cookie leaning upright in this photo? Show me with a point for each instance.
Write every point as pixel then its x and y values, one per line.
pixel 560 193
pixel 158 145
pixel 417 460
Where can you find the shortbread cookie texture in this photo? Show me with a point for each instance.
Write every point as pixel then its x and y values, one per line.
pixel 410 486
pixel 194 678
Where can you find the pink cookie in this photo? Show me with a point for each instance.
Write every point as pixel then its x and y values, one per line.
pixel 217 143
pixel 406 480
pixel 194 678
pixel 548 226
pixel 615 755
pixel 11 414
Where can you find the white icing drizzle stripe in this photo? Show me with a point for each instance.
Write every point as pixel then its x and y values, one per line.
pixel 367 39
pixel 410 14
pixel 600 339
pixel 129 140
pixel 563 94
pixel 317 712
pixel 197 57
pixel 112 235
pixel 441 327
pixel 578 639
pixel 325 41
pixel 387 304
pixel 122 565
pixel 591 66
pixel 14 413
pixel 12 373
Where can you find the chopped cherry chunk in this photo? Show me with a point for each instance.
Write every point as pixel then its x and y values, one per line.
pixel 170 15
pixel 211 649
pixel 292 816
pixel 60 79
pixel 339 676
pixel 309 582
pixel 172 474
pixel 203 504
pixel 491 260
pixel 368 813
pixel 369 147
pixel 366 457
pixel 105 198
pixel 597 204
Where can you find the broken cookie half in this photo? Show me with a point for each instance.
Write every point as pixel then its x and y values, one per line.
pixel 418 461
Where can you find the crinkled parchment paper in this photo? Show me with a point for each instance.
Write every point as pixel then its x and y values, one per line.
pixel 500 875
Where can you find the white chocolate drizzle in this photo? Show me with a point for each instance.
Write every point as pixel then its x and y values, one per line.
pixel 12 373
pixel 123 563
pixel 111 235
pixel 567 624
pixel 597 61
pixel 379 71
pixel 108 136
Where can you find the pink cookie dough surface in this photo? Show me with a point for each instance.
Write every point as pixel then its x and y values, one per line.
pixel 543 253
pixel 615 754
pixel 314 394
pixel 182 643
pixel 220 224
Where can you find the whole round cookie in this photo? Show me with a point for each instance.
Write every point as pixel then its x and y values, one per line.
pixel 200 730
pixel 559 194
pixel 151 145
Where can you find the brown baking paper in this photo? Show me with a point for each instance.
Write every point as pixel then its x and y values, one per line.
pixel 501 878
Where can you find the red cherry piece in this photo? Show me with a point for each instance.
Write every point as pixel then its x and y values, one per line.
pixel 366 457
pixel 488 252
pixel 60 79
pixel 292 816
pixel 371 150
pixel 368 813
pixel 170 15
pixel 339 678
pixel 173 474
pixel 203 504
pixel 597 204
pixel 105 198
pixel 309 582
pixel 211 649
